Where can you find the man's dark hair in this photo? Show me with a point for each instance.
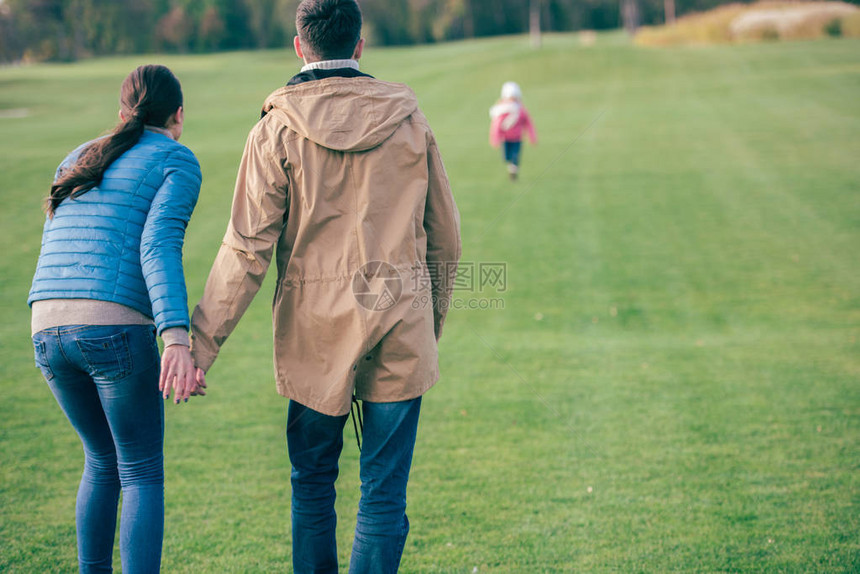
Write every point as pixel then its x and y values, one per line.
pixel 328 29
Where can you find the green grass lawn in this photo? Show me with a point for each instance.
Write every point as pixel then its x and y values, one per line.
pixel 672 384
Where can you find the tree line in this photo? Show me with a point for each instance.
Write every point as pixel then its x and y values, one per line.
pixel 67 30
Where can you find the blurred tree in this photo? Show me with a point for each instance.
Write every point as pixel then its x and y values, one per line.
pixel 501 17
pixel 111 27
pixel 237 32
pixel 10 39
pixel 669 11
pixel 630 15
pixel 420 26
pixel 285 12
pixel 41 28
pixel 72 29
pixel 211 31
pixel 265 29
pixel 534 23
pixel 174 30
pixel 452 19
pixel 388 21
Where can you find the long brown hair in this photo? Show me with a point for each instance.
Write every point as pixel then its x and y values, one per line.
pixel 150 95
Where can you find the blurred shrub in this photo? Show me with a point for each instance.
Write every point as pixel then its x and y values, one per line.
pixel 833 28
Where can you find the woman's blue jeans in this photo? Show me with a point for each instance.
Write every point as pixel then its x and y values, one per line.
pixel 315 442
pixel 105 379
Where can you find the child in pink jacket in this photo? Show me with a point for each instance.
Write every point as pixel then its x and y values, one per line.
pixel 509 119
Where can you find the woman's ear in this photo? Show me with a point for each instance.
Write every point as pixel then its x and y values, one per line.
pixel 121 117
pixel 176 117
pixel 175 121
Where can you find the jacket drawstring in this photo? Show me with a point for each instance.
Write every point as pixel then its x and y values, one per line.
pixel 354 407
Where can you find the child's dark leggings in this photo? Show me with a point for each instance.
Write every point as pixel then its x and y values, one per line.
pixel 512 152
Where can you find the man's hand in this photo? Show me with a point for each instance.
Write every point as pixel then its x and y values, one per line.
pixel 200 379
pixel 179 373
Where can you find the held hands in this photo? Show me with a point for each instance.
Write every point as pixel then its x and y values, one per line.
pixel 179 373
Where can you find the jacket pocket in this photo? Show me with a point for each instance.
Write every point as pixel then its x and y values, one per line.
pixel 42 359
pixel 107 357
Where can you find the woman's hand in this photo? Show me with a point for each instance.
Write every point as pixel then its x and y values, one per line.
pixel 179 373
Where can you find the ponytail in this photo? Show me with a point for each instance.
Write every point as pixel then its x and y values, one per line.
pixel 94 161
pixel 150 95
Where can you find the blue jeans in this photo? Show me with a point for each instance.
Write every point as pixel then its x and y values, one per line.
pixel 315 441
pixel 105 379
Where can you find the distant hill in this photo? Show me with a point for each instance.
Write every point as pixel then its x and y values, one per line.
pixel 761 21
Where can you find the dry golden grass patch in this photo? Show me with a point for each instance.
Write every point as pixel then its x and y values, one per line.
pixel 756 22
pixel 711 27
pixel 851 25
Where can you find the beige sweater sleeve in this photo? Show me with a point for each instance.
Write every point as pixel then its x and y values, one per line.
pixel 175 336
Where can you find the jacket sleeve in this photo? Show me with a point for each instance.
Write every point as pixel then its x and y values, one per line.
pixel 163 236
pixel 496 131
pixel 442 225
pixel 258 216
pixel 530 127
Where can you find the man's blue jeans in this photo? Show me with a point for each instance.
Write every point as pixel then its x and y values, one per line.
pixel 315 441
pixel 105 379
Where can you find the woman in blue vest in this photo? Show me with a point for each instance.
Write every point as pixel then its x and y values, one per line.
pixel 109 279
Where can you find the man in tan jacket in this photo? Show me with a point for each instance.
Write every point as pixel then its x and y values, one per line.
pixel 343 181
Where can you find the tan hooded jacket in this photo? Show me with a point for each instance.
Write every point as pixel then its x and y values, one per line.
pixel 344 176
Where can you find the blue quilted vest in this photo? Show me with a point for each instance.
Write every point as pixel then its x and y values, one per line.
pixel 122 240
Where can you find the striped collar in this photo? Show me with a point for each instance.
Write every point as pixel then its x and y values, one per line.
pixel 330 65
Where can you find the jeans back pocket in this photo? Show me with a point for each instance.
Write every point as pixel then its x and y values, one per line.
pixel 107 357
pixel 42 359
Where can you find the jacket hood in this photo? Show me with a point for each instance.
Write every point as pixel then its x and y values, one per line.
pixel 344 114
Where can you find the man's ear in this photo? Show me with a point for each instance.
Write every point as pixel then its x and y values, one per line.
pixel 359 48
pixel 298 46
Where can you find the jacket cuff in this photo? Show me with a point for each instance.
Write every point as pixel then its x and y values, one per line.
pixel 202 359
